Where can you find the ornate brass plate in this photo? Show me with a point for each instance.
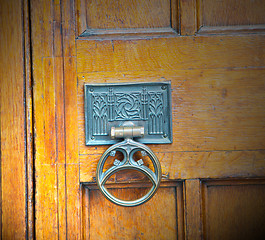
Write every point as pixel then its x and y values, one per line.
pixel 142 104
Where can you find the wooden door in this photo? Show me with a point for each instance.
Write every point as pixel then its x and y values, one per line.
pixel 212 174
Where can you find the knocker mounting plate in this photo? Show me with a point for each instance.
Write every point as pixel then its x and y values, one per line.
pixel 144 104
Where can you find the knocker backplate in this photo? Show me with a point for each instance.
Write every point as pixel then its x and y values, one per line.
pixel 143 104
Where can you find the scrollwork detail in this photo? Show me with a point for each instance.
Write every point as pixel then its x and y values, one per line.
pixel 128 106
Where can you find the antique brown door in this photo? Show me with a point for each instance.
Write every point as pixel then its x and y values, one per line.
pixel 212 174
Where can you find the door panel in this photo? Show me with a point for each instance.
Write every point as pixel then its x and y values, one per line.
pixel 232 13
pixel 100 218
pixel 218 118
pixel 104 14
pixel 234 209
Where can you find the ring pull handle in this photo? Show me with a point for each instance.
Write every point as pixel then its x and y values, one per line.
pixel 128 147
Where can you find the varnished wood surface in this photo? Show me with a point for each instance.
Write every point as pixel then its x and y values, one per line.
pixel 30 220
pixel 241 29
pixel 193 209
pixel 57 179
pixel 106 14
pixel 217 103
pixel 170 53
pixel 209 141
pixel 205 103
pixel 157 219
pixel 218 122
pixel 188 17
pixel 13 128
pixel 232 12
pixel 234 210
pixel 190 165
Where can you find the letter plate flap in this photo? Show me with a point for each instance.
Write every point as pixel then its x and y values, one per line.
pixel 142 104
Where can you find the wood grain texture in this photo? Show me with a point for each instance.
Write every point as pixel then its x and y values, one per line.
pixel 106 14
pixel 13 148
pixel 72 159
pixel 30 219
pixel 46 152
pixel 206 104
pixel 73 194
pixel 154 220
pixel 232 12
pixel 73 201
pixel 193 209
pixel 62 201
pixel 218 119
pixel 175 15
pixel 188 17
pixel 53 31
pixel 234 209
pixel 48 116
pixel 80 16
pixel 170 53
pixel 190 165
pixel 47 202
pixel 241 29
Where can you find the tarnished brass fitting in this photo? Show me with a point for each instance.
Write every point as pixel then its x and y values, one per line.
pixel 127 132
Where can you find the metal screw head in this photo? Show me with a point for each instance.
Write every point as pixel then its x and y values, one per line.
pixel 144 153
pixel 164 87
pixel 116 162
pixel 91 90
pixel 140 162
pixel 92 138
pixel 112 153
pixel 165 135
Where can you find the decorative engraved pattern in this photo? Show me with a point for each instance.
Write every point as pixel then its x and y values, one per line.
pixel 144 102
pixel 111 105
pixel 156 115
pixel 128 106
pixel 99 115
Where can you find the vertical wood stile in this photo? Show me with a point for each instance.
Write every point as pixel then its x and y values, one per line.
pixel 13 127
pixel 188 19
pixel 193 209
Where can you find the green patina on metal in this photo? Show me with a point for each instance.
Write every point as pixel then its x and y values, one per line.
pixel 146 104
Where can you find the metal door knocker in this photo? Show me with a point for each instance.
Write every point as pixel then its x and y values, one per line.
pixel 136 112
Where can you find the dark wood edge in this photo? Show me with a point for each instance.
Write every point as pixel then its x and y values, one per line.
pixel 188 17
pixel 127 34
pixel 134 184
pixel 29 139
pixel 174 15
pixel 85 218
pixel 204 204
pixel 243 29
pixel 180 210
pixel 232 182
pixel 80 16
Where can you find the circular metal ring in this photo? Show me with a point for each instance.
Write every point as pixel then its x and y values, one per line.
pixel 128 147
